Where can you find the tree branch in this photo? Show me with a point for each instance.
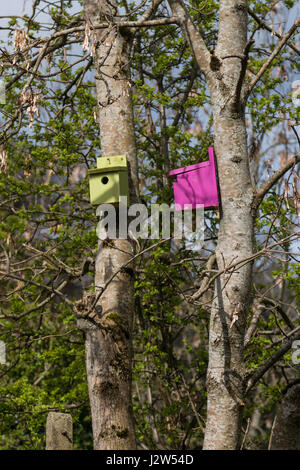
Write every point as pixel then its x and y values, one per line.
pixel 241 79
pixel 237 265
pixel 60 43
pixel 258 373
pixel 124 265
pixel 149 12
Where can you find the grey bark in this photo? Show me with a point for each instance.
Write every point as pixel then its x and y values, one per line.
pixel 109 339
pixel 59 431
pixel 286 432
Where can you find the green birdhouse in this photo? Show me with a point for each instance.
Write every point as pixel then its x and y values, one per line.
pixel 109 180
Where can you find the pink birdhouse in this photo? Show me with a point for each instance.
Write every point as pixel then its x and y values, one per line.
pixel 196 184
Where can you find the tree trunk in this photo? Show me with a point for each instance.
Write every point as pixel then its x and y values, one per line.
pixel 109 342
pixel 226 375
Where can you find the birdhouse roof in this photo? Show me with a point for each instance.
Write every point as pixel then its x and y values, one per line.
pixel 110 164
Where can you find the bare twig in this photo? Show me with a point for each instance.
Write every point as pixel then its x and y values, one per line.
pixel 264 25
pixel 246 432
pixel 260 371
pixel 276 51
pixel 262 191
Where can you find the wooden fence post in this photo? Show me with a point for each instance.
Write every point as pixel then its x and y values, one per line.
pixel 59 431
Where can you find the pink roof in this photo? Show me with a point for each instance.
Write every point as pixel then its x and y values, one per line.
pixel 184 169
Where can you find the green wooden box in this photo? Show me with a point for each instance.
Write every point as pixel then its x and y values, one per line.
pixel 109 180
